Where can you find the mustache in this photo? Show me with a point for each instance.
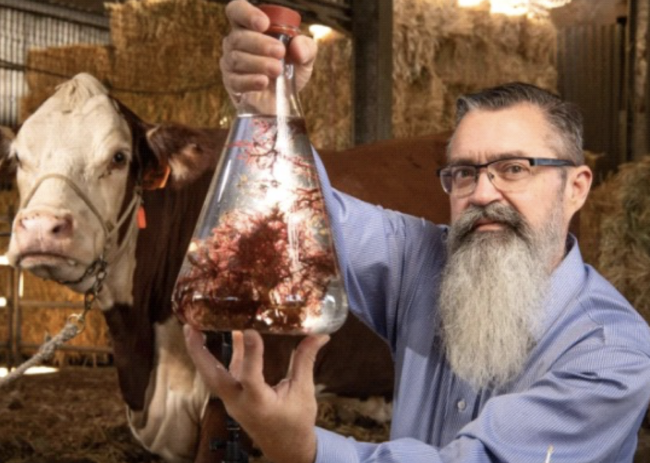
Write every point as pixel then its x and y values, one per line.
pixel 493 212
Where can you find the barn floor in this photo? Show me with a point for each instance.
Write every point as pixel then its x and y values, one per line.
pixel 77 416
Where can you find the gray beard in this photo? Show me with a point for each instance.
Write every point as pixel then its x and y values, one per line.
pixel 492 291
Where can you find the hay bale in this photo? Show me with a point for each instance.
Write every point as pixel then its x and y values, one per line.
pixel 181 21
pixel 50 67
pixel 625 234
pixel 327 100
pixel 441 51
pixel 616 225
pixel 164 65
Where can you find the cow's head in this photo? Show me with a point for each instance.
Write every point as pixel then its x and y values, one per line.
pixel 82 160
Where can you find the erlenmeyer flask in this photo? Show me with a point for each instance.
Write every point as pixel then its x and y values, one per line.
pixel 262 255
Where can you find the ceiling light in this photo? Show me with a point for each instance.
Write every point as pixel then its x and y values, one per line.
pixel 319 31
pixel 532 8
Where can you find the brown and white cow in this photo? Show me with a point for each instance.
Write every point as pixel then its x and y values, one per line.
pixel 85 164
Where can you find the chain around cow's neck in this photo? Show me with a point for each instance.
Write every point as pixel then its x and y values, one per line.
pixel 98 267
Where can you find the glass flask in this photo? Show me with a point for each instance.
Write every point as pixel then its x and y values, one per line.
pixel 262 254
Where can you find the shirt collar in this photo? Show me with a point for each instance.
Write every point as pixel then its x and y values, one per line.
pixel 565 284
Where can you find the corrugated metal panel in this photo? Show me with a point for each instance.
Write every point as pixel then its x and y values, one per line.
pixel 591 74
pixel 21 30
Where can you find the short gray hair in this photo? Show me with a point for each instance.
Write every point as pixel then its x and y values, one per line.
pixel 563 116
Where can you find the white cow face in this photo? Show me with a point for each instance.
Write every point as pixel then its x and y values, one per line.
pixel 72 158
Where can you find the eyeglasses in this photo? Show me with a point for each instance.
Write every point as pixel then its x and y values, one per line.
pixel 507 175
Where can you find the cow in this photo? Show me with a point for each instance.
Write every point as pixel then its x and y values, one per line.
pixel 86 168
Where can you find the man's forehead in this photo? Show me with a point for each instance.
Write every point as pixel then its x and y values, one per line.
pixel 486 156
pixel 487 135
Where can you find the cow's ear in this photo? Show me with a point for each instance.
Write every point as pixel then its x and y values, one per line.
pixel 185 151
pixel 7 165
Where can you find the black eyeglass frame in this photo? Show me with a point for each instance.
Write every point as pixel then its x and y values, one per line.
pixel 550 162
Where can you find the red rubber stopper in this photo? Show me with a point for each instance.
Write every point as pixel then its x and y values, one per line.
pixel 281 16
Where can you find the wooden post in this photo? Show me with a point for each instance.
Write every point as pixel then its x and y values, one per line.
pixel 372 36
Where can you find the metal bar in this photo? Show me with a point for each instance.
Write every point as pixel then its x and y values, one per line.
pixel 51 304
pixel 619 72
pixel 14 322
pixel 372 32
pixel 59 12
pixel 630 64
pixel 95 349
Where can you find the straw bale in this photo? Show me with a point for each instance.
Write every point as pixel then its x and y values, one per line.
pixel 166 67
pixel 616 220
pixel 58 64
pixel 625 234
pixel 146 21
pixel 418 108
pixel 39 324
pixel 327 100
pixel 165 64
pixel 461 50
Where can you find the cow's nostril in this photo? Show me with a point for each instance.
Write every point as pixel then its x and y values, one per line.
pixel 46 225
pixel 62 226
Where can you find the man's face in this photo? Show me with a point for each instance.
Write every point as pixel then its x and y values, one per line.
pixel 503 246
pixel 521 130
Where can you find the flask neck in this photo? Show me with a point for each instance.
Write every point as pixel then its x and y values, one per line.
pixel 280 98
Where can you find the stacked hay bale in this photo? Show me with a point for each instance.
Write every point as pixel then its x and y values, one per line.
pixel 163 63
pixel 442 51
pixel 615 232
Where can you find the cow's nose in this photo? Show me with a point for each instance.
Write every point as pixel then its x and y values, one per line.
pixel 46 224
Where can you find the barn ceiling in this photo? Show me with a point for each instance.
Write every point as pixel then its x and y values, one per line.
pixel 577 12
pixel 87 6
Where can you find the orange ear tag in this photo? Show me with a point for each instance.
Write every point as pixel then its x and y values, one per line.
pixel 142 218
pixel 158 180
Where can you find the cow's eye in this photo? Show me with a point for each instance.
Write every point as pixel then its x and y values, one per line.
pixel 119 159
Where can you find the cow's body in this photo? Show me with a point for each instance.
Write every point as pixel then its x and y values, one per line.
pixel 79 135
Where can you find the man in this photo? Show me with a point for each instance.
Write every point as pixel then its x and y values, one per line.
pixel 505 342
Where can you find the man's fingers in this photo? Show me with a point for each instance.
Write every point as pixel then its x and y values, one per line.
pixel 303 50
pixel 304 357
pixel 237 354
pixel 240 13
pixel 252 369
pixel 213 372
pixel 241 62
pixel 255 43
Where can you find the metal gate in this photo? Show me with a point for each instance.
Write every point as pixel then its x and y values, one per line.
pixel 26 24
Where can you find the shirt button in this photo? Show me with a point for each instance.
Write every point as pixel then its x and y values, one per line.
pixel 461 405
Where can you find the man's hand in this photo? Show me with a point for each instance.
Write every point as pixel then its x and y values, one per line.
pixel 279 419
pixel 251 58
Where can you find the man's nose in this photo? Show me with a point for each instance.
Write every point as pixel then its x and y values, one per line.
pixel 485 192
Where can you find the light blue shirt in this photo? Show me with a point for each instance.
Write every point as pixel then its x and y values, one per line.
pixel 584 390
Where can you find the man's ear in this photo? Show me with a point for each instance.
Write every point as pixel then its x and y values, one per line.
pixel 184 151
pixel 578 187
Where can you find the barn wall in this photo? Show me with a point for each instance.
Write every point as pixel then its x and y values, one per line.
pixel 22 30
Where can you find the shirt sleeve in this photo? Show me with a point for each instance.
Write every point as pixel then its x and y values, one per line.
pixel 379 251
pixel 586 407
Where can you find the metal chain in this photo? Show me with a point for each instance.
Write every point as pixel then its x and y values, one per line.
pixel 90 296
